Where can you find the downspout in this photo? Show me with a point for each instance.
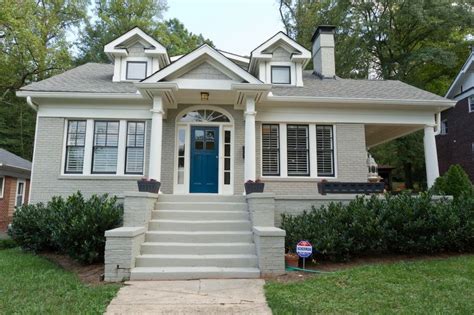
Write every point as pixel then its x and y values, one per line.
pixel 438 124
pixel 30 102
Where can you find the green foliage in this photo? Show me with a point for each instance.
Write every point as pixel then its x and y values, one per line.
pixel 455 182
pixel 394 224
pixel 34 285
pixel 115 17
pixel 74 226
pixel 7 243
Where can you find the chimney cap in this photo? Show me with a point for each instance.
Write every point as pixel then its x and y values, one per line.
pixel 323 29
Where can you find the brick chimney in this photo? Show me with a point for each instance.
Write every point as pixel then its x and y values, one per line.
pixel 324 63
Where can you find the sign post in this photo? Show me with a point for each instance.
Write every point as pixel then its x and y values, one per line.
pixel 304 249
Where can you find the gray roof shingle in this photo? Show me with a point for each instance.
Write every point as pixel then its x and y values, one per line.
pixel 97 78
pixel 90 77
pixel 10 159
pixel 314 86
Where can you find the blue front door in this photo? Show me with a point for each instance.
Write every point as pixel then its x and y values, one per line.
pixel 204 159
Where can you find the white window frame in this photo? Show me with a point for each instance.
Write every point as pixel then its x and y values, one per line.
pixel 223 126
pixel 88 149
pixel 470 103
pixel 2 190
pixel 444 127
pixel 281 64
pixel 123 74
pixel 313 162
pixel 18 181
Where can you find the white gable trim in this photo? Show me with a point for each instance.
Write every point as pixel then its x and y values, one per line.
pixel 110 48
pixel 204 50
pixel 462 73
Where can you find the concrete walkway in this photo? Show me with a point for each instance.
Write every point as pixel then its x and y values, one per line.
pixel 209 296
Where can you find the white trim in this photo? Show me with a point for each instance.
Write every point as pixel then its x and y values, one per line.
pixel 204 50
pixel 223 126
pixel 461 74
pixel 88 150
pixel 313 166
pixel 18 181
pixel 78 95
pixel 34 158
pixel 2 190
pixel 293 78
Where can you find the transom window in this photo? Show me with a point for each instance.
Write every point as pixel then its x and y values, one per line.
pixel 281 75
pixel 204 115
pixel 136 70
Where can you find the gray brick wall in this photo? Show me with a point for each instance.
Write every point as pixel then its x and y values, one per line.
pixel 46 178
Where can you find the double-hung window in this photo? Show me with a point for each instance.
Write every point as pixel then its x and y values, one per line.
pixel 270 150
pixel 325 150
pixel 2 185
pixel 471 103
pixel 75 142
pixel 105 150
pixel 298 150
pixel 135 151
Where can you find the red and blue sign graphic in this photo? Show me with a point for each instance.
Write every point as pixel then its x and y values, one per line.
pixel 304 249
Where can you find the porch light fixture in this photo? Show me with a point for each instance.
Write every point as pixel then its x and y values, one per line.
pixel 204 96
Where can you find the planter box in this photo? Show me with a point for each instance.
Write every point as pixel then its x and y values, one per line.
pixel 148 186
pixel 254 188
pixel 350 188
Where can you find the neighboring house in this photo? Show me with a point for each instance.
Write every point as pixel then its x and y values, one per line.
pixel 14 185
pixel 205 123
pixel 456 140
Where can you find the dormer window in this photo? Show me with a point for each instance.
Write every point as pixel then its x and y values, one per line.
pixel 136 70
pixel 281 75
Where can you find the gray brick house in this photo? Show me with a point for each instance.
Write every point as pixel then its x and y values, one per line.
pixel 203 124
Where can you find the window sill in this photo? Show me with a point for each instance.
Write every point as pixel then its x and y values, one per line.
pixel 100 177
pixel 295 179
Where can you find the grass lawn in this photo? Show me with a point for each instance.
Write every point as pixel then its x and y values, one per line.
pixel 430 286
pixel 31 284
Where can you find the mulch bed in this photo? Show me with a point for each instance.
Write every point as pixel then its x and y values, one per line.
pixel 88 274
pixel 326 266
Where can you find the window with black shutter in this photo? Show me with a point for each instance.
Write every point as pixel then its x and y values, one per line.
pixel 298 150
pixel 270 150
pixel 325 150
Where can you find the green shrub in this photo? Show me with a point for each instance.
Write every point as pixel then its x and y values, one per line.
pixel 74 226
pixel 394 224
pixel 455 182
pixel 7 243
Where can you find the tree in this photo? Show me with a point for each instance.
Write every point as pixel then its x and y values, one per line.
pixel 33 47
pixel 420 42
pixel 116 17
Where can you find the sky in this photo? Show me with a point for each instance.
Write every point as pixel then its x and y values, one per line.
pixel 236 26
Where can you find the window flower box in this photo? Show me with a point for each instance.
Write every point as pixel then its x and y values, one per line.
pixel 254 187
pixel 148 185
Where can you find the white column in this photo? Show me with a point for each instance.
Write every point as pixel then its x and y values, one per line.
pixel 431 155
pixel 154 171
pixel 250 156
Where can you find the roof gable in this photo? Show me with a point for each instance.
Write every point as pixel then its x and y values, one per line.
pixel 118 47
pixel 466 70
pixel 201 55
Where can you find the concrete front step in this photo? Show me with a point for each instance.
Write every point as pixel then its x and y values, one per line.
pixel 170 248
pixel 199 237
pixel 200 198
pixel 189 273
pixel 199 215
pixel 205 225
pixel 227 261
pixel 205 206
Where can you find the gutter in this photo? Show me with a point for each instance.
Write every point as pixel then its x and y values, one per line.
pixel 30 102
